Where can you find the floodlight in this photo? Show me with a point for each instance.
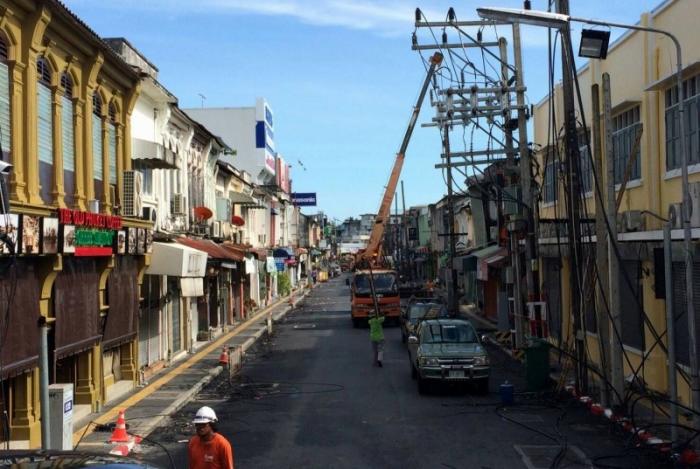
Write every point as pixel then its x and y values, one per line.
pixel 594 44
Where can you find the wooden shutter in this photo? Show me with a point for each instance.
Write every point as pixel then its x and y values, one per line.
pixel 112 154
pixel 5 135
pixel 68 135
pixel 96 147
pixel 45 124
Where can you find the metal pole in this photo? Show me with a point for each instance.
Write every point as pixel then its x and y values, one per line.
pixel 44 383
pixel 601 249
pixel 670 332
pixel 526 176
pixel 404 234
pixel 617 377
pixel 397 236
pixel 573 178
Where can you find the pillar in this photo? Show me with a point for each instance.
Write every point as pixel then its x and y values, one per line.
pixel 80 196
pixel 24 421
pixel 85 392
pixel 128 361
pixel 18 177
pixel 58 192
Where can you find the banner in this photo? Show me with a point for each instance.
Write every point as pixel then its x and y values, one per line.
pixel 304 199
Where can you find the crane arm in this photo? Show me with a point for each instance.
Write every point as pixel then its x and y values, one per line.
pixel 373 250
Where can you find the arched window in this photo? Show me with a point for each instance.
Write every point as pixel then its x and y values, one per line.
pixel 44 101
pixel 68 137
pixel 97 143
pixel 5 135
pixel 112 129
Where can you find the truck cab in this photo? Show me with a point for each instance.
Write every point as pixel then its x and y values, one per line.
pixel 386 289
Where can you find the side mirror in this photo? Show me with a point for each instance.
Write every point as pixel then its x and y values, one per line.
pixel 484 338
pixel 412 339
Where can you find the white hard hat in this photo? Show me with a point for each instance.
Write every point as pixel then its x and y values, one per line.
pixel 205 415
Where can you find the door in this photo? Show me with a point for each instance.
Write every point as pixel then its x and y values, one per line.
pixel 213 302
pixel 176 324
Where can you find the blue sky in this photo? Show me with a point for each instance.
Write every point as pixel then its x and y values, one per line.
pixel 339 75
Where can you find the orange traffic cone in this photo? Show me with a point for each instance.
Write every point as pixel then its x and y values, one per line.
pixel 223 358
pixel 119 434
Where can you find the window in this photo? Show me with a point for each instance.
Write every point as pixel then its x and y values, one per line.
pixel 625 128
pixel 44 98
pixel 68 138
pixel 97 144
pixel 551 288
pixel 691 91
pixel 112 131
pixel 549 191
pixel 5 135
pixel 631 300
pixel 147 181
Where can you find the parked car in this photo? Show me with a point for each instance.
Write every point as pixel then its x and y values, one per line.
pixel 419 311
pixel 448 350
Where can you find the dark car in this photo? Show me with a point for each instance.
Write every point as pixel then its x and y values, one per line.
pixel 418 311
pixel 448 350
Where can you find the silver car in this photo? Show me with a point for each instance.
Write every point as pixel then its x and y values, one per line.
pixel 448 350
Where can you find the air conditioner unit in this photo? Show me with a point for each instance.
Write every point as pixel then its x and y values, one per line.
pixel 216 229
pixel 132 183
pixel 676 216
pixel 149 213
pixel 694 192
pixel 177 205
pixel 632 220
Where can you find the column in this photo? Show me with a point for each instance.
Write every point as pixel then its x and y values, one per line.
pixel 30 131
pixel 24 421
pixel 128 361
pixel 85 392
pixel 79 132
pixel 58 191
pixel 121 160
pixel 105 204
pixel 18 178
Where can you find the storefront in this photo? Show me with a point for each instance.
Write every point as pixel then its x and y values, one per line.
pixel 179 271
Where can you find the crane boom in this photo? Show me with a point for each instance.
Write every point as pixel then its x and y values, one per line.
pixel 372 253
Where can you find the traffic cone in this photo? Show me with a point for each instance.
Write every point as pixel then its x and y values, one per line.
pixel 223 358
pixel 119 434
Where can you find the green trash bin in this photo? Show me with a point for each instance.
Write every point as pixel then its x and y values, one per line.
pixel 537 364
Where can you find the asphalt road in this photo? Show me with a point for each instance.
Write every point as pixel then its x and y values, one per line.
pixel 310 397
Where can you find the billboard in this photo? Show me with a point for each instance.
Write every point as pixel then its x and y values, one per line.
pixel 304 199
pixel 264 133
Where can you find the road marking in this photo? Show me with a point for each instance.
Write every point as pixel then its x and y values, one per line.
pixel 182 368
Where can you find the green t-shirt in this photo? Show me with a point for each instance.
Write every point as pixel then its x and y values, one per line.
pixel 376 333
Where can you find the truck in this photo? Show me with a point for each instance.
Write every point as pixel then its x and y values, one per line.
pixel 374 288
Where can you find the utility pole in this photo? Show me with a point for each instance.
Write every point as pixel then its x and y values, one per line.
pixel 574 216
pixel 616 374
pixel 601 247
pixel 397 235
pixel 404 233
pixel 452 302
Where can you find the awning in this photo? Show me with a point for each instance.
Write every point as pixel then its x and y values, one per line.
pixel 283 252
pixel 479 260
pixel 215 251
pixel 236 249
pixel 152 155
pixel 176 260
pixel 260 253
pixel 239 198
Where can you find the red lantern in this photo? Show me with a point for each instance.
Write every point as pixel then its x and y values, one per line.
pixel 238 221
pixel 202 213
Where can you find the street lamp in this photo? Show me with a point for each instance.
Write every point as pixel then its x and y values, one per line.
pixel 594 44
pixel 561 21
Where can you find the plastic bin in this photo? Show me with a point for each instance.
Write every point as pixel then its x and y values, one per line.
pixel 537 364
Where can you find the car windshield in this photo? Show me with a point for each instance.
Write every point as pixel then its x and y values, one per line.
pixel 426 311
pixel 383 283
pixel 448 334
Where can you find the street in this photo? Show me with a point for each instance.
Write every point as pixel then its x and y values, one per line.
pixel 310 397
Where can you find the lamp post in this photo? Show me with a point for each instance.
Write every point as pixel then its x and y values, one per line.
pixel 561 21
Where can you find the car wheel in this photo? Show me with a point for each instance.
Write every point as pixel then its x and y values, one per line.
pixel 482 386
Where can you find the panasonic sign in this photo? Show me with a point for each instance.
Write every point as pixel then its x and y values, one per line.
pixel 304 199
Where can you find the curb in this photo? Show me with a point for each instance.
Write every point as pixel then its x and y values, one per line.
pixel 187 396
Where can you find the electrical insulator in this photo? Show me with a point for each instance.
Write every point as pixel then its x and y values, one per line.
pixel 479 36
pixel 462 76
pixel 527 5
pixel 418 15
pixel 451 14
pixel 414 39
pixel 444 37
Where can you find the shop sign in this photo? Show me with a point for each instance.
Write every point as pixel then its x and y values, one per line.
pixel 89 234
pixel 279 263
pixel 92 220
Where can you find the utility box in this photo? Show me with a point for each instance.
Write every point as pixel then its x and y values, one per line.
pixel 61 416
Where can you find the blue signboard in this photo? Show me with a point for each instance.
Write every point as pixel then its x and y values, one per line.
pixel 279 263
pixel 304 199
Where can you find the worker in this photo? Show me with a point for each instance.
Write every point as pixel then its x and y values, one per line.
pixel 208 449
pixel 376 336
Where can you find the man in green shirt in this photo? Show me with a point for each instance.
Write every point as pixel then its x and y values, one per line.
pixel 376 335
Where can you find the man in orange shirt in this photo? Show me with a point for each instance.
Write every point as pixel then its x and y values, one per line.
pixel 208 449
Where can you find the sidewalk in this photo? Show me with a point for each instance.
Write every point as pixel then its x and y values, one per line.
pixel 173 387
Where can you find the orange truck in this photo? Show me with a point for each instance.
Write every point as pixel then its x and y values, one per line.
pixel 386 290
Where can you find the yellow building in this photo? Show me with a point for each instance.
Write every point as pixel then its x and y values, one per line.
pixel 65 104
pixel 644 101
